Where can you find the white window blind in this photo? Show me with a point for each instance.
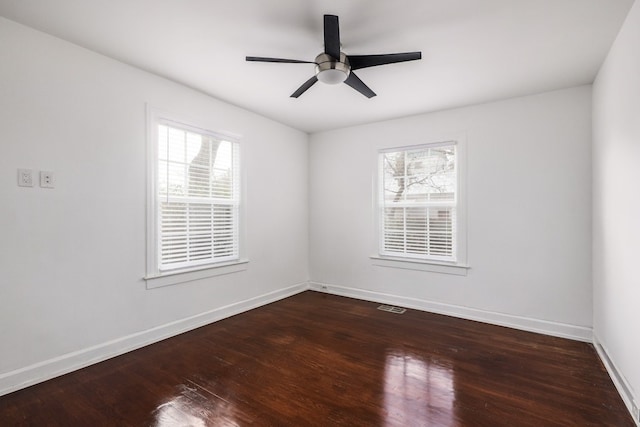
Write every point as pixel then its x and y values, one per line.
pixel 197 198
pixel 418 201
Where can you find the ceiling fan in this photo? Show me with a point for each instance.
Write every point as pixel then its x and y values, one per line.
pixel 334 66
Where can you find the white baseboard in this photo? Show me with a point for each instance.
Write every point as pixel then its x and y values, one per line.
pixel 619 380
pixel 45 370
pixel 574 332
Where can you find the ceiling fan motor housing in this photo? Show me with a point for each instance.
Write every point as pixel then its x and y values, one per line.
pixel 330 71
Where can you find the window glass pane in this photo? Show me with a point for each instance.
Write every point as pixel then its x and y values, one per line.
pixel 162 142
pixel 176 149
pixel 200 231
pixel 223 171
pixel 175 173
pixel 173 232
pixel 394 176
pixel 223 230
pixel 162 178
pixel 199 165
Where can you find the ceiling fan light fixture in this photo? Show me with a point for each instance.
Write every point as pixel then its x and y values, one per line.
pixel 330 71
pixel 332 77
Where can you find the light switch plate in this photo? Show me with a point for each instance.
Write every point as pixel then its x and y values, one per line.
pixel 25 178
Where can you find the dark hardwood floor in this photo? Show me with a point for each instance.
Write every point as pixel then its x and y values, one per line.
pixel 322 360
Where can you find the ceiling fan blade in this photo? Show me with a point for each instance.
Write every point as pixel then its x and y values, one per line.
pixel 332 36
pixel 358 85
pixel 306 85
pixel 364 61
pixel 288 61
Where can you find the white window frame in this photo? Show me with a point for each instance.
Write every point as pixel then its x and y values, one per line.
pixel 155 277
pixel 457 267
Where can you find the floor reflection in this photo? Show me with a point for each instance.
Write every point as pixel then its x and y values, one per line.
pixel 194 406
pixel 417 392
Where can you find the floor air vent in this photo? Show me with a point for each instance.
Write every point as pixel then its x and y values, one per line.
pixel 392 309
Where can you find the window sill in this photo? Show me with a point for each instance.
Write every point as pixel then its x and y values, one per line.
pixel 188 275
pixel 421 265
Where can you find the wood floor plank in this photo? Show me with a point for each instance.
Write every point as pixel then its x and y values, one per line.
pixel 322 360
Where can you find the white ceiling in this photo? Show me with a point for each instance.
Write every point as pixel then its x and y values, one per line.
pixel 473 50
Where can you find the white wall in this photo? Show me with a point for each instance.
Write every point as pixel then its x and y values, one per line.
pixel 529 221
pixel 616 203
pixel 72 259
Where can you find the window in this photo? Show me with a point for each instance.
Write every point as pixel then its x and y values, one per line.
pixel 194 198
pixel 418 202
